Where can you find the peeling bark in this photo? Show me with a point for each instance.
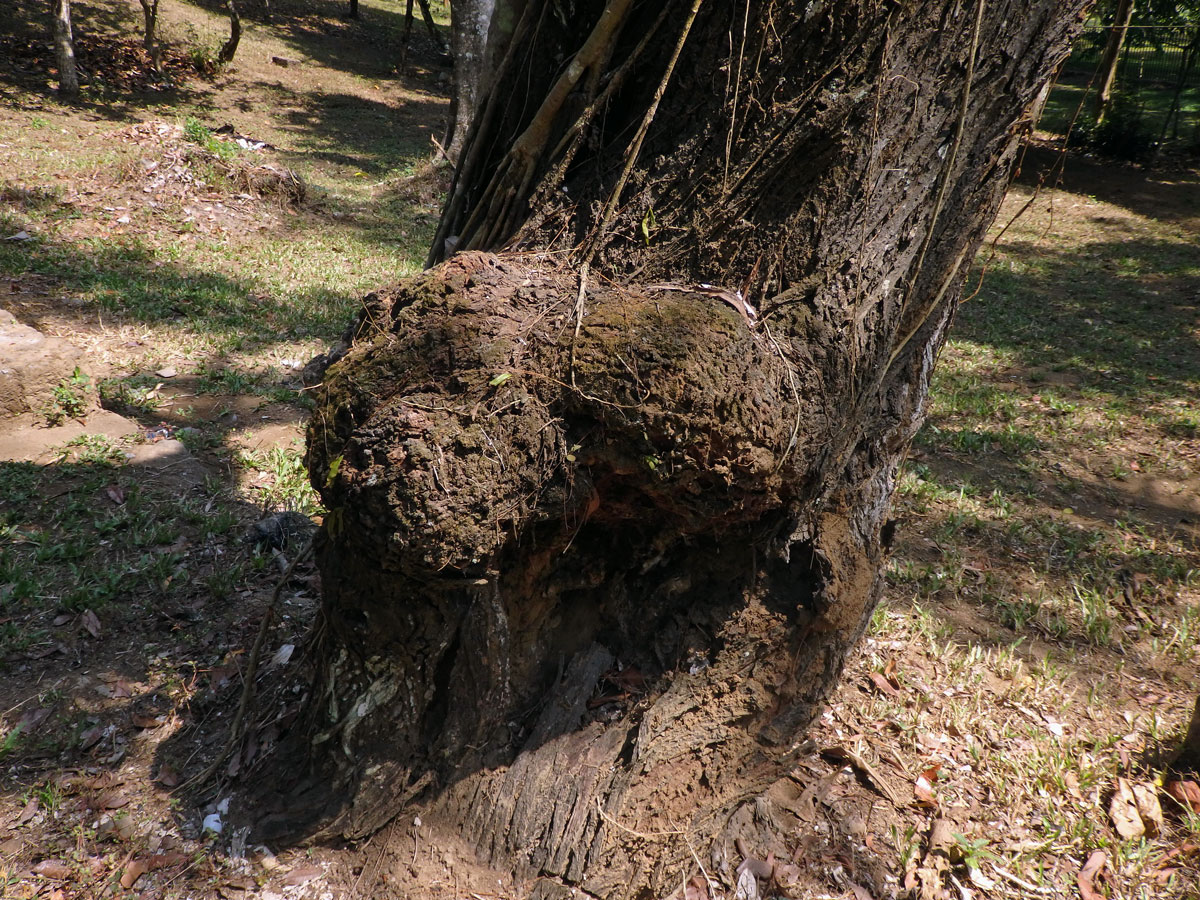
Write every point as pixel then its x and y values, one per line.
pixel 598 546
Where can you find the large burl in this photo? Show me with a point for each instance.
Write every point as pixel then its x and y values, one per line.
pixel 507 492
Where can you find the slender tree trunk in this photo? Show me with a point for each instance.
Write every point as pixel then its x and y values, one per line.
pixel 149 37
pixel 64 49
pixel 353 13
pixel 607 512
pixel 229 48
pixel 469 24
pixel 431 26
pixel 1112 56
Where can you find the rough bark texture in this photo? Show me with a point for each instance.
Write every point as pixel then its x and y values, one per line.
pixel 64 49
pixel 597 543
pixel 469 23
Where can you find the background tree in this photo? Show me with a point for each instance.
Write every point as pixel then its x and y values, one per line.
pixel 470 21
pixel 1112 56
pixel 64 49
pixel 229 48
pixel 149 37
pixel 600 538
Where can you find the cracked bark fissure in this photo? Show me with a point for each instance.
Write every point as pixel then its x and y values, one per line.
pixel 520 507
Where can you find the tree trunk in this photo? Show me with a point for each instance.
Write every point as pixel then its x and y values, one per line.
pixel 469 23
pixel 353 13
pixel 64 49
pixel 599 536
pixel 1112 56
pixel 149 41
pixel 229 48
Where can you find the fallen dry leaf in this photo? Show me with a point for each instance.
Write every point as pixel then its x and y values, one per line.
pixel 135 870
pixel 302 874
pixel 167 777
pixel 29 811
pixel 1086 879
pixel 1149 808
pixel 923 789
pixel 115 494
pixel 696 889
pixel 1123 811
pixel 1186 792
pixel 144 721
pixel 53 868
pixel 883 685
pixel 111 800
pixel 90 622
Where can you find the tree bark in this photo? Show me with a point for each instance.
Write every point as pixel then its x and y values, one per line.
pixel 599 536
pixel 469 24
pixel 64 49
pixel 1112 56
pixel 229 48
pixel 149 37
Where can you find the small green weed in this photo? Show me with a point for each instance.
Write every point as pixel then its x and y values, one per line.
pixel 70 399
pixel 288 487
pixel 91 450
pixel 196 132
pixel 9 742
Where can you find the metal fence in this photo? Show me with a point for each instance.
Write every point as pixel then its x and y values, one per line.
pixel 1157 90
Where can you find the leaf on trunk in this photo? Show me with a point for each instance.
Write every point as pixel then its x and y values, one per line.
pixel 1123 811
pixel 1187 793
pixel 1086 879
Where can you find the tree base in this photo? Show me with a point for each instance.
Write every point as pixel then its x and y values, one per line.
pixel 580 588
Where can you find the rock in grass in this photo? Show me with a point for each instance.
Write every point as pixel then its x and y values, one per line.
pixel 281 531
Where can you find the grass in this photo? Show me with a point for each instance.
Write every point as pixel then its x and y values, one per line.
pixel 1047 590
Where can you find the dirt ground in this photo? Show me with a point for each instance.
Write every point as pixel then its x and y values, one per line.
pixel 1003 728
